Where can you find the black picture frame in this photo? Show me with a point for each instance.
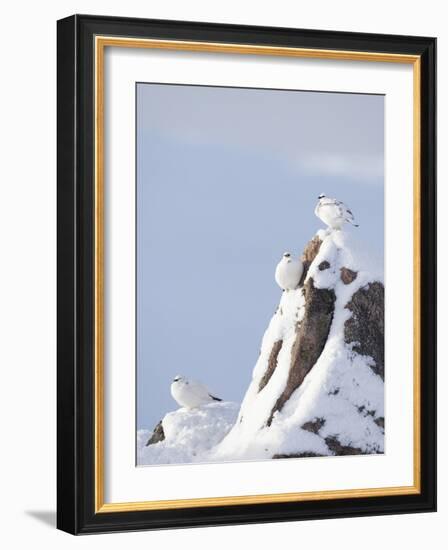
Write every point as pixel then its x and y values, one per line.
pixel 76 264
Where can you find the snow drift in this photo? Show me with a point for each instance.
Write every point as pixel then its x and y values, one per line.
pixel 318 386
pixel 186 435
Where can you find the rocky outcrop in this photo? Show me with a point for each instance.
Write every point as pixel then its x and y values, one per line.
pixel 337 448
pixel 312 330
pixel 314 425
pixel 309 255
pixel 347 275
pixel 157 435
pixel 312 334
pixel 380 422
pixel 318 386
pixel 272 364
pixel 297 455
pixel 365 328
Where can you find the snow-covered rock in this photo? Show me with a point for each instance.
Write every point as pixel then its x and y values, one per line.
pixel 186 435
pixel 318 386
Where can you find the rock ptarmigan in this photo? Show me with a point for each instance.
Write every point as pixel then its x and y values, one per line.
pixel 334 213
pixel 190 394
pixel 288 272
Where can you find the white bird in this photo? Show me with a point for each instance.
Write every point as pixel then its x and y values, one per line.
pixel 333 212
pixel 288 272
pixel 190 394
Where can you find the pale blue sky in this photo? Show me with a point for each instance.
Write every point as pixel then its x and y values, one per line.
pixel 227 180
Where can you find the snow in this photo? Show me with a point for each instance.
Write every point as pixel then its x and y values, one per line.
pixel 189 434
pixel 341 391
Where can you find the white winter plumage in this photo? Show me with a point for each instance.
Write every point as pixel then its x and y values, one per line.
pixel 334 213
pixel 190 394
pixel 288 272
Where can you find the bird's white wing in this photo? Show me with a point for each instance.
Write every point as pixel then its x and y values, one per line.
pixel 345 211
pixel 342 209
pixel 206 394
pixel 199 390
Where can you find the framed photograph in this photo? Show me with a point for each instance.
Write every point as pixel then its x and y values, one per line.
pixel 246 274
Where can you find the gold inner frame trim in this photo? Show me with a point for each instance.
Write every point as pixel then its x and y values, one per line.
pixel 101 42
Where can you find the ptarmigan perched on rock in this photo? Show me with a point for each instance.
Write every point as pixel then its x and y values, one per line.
pixel 190 394
pixel 334 213
pixel 288 272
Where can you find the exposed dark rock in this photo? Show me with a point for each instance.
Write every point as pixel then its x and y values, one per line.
pixel 309 454
pixel 343 450
pixel 312 333
pixel 380 422
pixel 272 364
pixel 314 425
pixel 157 435
pixel 334 391
pixel 324 265
pixel 365 412
pixel 347 275
pixel 365 328
pixel 308 256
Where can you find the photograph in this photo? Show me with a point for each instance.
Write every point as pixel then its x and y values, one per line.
pixel 259 274
pixel 246 274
